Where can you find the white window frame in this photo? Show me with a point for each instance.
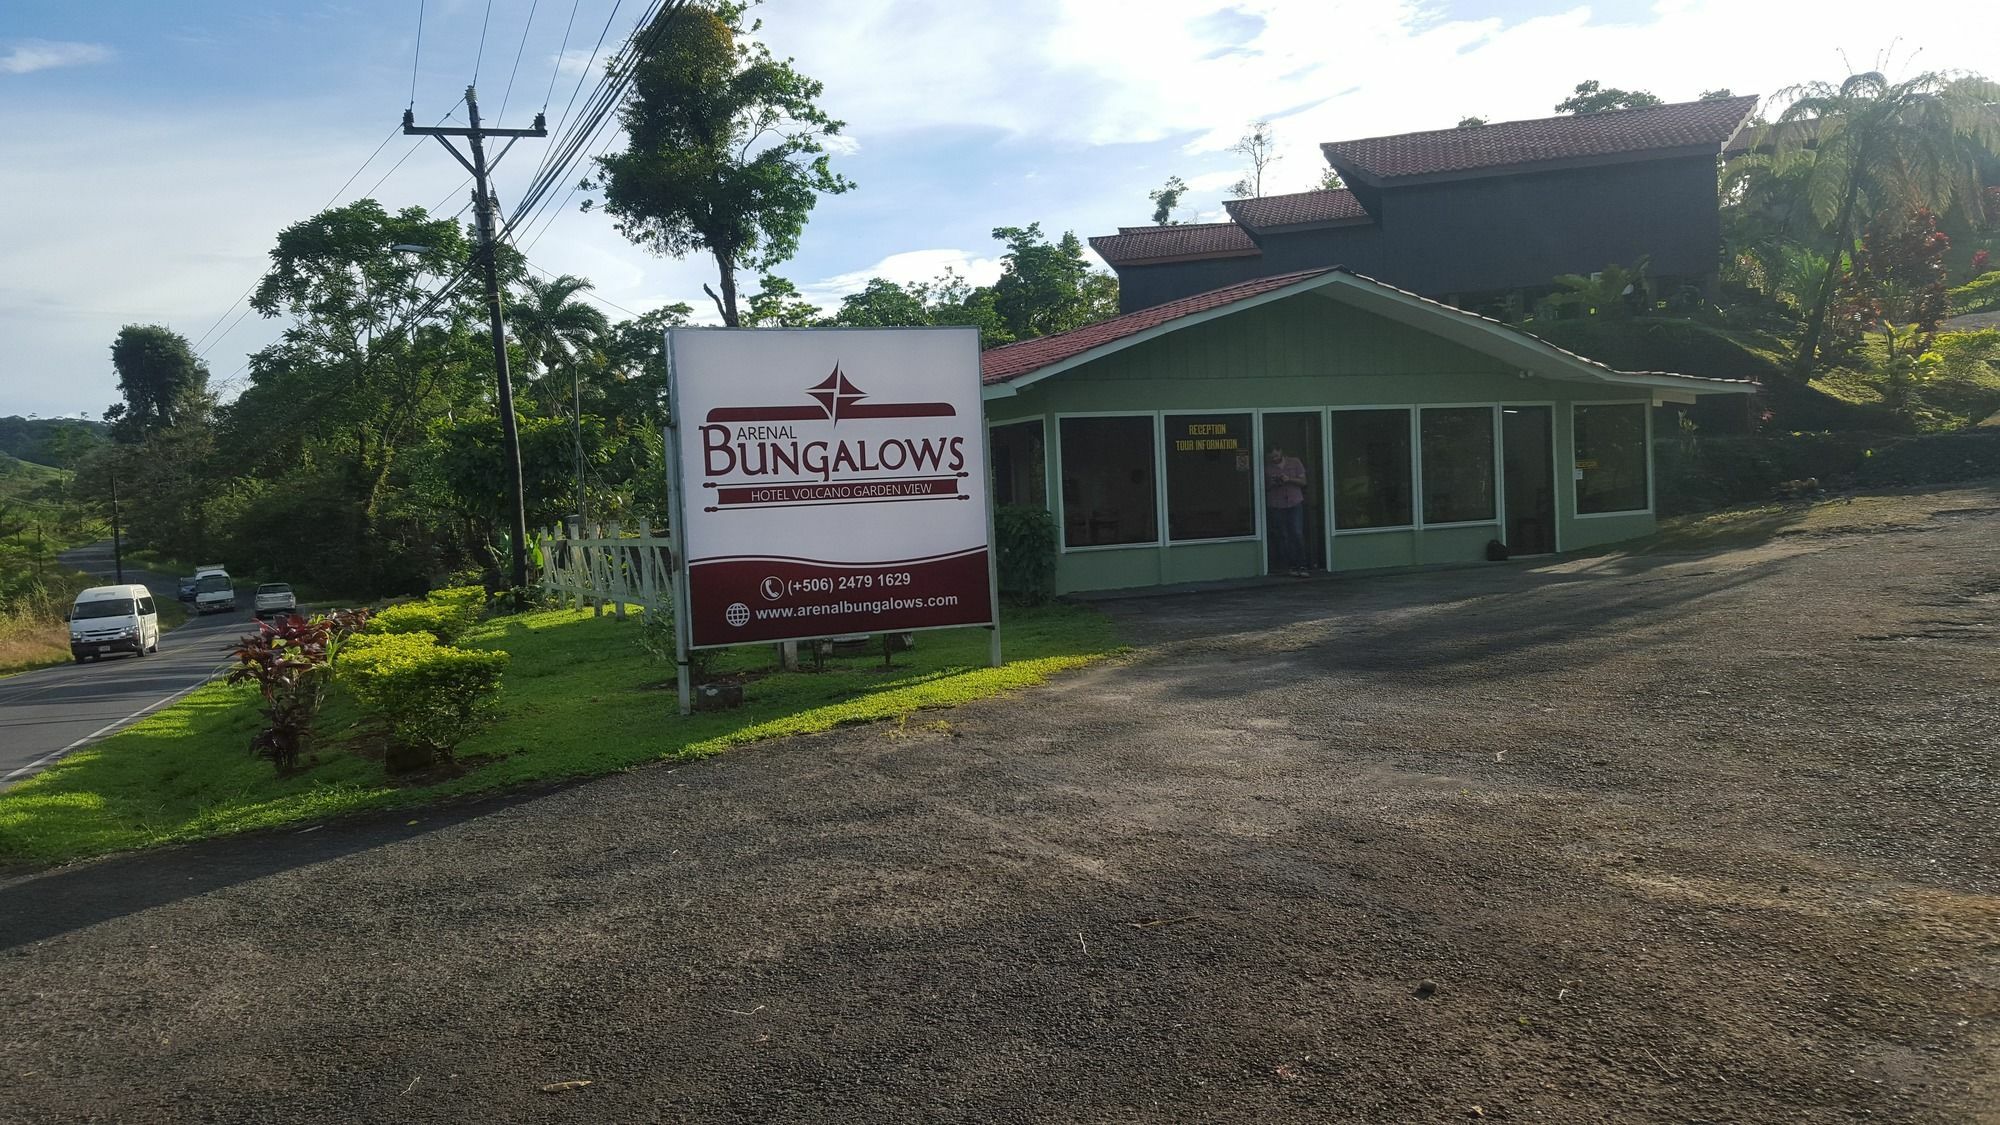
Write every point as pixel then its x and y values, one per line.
pixel 1499 486
pixel 1416 476
pixel 1159 486
pixel 1256 490
pixel 1576 511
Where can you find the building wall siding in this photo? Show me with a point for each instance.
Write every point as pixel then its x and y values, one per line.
pixel 1485 235
pixel 1305 352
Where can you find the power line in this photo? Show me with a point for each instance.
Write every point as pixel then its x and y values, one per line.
pixel 418 57
pixel 586 291
pixel 509 93
pixel 481 56
pixel 560 52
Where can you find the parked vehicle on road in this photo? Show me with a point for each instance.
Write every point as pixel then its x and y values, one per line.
pixel 275 599
pixel 108 619
pixel 185 592
pixel 214 592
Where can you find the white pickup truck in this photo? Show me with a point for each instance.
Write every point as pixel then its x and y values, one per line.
pixel 214 592
pixel 275 599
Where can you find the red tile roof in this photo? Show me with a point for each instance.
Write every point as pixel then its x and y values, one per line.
pixel 1011 361
pixel 1141 244
pixel 1569 137
pixel 1299 207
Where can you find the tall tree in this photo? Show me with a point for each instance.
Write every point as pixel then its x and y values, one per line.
pixel 1047 287
pixel 1260 147
pixel 1869 145
pixel 1592 97
pixel 726 147
pixel 1167 200
pixel 779 304
pixel 555 328
pixel 162 381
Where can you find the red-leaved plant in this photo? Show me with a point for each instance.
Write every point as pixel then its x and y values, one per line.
pixel 291 659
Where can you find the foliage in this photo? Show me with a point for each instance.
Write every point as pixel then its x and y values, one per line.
pixel 580 700
pixel 1330 180
pixel 1591 97
pixel 162 381
pixel 1615 292
pixel 726 147
pixel 1471 122
pixel 1898 273
pixel 444 620
pixel 1721 94
pixel 1259 146
pixel 1167 200
pixel 779 304
pixel 1658 343
pixel 1867 146
pixel 59 443
pixel 431 696
pixel 289 660
pixel 1981 294
pixel 557 332
pixel 1046 287
pixel 1024 542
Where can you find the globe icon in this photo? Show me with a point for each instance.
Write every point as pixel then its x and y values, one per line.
pixel 737 614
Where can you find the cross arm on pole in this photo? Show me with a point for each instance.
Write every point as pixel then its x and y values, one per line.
pixel 462 161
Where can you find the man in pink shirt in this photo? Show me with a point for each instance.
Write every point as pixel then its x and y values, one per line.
pixel 1285 508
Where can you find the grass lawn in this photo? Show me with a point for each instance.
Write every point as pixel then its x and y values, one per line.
pixel 578 699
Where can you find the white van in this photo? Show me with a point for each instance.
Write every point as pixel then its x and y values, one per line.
pixel 108 619
pixel 213 589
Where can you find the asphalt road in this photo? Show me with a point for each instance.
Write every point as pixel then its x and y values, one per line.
pixel 48 713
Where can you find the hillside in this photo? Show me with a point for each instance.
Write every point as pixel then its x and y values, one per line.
pixel 32 439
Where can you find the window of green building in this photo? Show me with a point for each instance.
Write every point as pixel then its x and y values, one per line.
pixel 1611 458
pixel 1457 445
pixel 1211 477
pixel 1371 469
pixel 1020 472
pixel 1109 491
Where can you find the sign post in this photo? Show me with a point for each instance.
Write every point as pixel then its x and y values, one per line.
pixel 828 481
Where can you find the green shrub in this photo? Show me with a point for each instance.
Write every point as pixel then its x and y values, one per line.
pixel 431 696
pixel 444 620
pixel 1025 553
pixel 1716 472
pixel 473 596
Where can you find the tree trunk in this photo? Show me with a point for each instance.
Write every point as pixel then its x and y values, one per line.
pixel 725 264
pixel 1843 244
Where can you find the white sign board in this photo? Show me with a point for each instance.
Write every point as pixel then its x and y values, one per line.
pixel 830 481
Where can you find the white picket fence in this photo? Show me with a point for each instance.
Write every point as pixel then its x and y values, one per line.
pixel 604 566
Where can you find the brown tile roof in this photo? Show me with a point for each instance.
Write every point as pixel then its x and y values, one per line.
pixel 1299 207
pixel 1142 244
pixel 1011 361
pixel 1569 137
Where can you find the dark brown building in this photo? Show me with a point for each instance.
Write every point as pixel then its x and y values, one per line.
pixel 1469 215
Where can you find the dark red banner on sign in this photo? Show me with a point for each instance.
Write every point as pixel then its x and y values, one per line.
pixel 736 601
pixel 838 491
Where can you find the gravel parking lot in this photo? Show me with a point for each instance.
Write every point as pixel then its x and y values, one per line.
pixel 1659 838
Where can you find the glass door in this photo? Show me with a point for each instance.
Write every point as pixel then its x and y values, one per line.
pixel 1528 452
pixel 1295 435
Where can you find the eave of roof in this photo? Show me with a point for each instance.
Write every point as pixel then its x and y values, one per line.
pixel 1006 370
pixel 1177 242
pixel 1516 147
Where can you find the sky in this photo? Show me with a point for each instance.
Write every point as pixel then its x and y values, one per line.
pixel 153 150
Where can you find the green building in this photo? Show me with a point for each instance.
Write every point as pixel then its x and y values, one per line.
pixel 1412 433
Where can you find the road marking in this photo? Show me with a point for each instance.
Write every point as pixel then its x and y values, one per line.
pixel 100 732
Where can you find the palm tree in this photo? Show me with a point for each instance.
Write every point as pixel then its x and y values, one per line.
pixel 1870 145
pixel 555 330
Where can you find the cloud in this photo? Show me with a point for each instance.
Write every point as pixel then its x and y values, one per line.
pixel 903 268
pixel 841 144
pixel 29 55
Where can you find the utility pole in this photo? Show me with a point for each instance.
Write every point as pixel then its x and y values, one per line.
pixel 117 540
pixel 483 207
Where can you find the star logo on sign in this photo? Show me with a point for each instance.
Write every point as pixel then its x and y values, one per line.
pixel 834 392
